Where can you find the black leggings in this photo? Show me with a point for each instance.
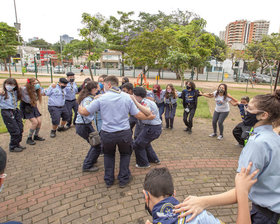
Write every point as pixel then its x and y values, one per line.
pixel 188 116
pixel 219 117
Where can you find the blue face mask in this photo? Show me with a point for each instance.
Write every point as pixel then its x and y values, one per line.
pixel 101 85
pixel 37 86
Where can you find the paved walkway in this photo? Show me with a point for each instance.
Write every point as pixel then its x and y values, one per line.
pixel 45 183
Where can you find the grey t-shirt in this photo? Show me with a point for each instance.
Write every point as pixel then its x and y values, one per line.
pixel 221 103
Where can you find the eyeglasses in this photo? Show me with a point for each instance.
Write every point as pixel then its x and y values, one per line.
pixel 3 176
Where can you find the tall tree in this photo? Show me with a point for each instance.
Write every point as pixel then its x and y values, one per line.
pixel 120 33
pixel 40 43
pixel 8 42
pixel 95 28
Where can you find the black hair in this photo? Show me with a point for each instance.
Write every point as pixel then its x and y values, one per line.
pixel 125 79
pixel 11 81
pixel 63 80
pixel 112 79
pixel 3 160
pixel 245 98
pixel 103 77
pixel 128 86
pixel 158 182
pixel 140 91
pixel 70 74
pixel 86 91
pixel 192 84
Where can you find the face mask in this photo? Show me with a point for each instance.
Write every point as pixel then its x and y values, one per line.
pixel 221 91
pixel 72 80
pixel 37 86
pixel 188 87
pixel 155 91
pixel 169 90
pixel 1 188
pixel 101 85
pixel 9 87
pixel 148 209
pixel 62 87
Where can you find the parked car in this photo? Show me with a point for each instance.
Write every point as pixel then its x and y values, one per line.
pixel 244 77
pixel 260 78
pixel 30 68
pixel 59 69
pixel 125 67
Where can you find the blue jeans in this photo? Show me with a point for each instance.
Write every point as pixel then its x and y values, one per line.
pixel 160 109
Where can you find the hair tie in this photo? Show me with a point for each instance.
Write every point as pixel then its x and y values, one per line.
pixel 28 80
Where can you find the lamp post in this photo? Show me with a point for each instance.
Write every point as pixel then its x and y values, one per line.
pixel 17 26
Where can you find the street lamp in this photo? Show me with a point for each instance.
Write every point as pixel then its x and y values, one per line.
pixel 17 26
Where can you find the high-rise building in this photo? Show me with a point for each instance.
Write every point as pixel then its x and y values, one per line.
pixel 243 31
pixel 67 39
pixel 32 39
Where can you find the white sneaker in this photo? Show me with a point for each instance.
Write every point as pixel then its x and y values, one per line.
pixel 220 137
pixel 213 135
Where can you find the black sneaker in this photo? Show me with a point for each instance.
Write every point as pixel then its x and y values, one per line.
pixel 92 169
pixel 60 128
pixel 16 149
pixel 157 162
pixel 29 141
pixel 125 184
pixel 22 147
pixel 53 134
pixel 189 131
pixel 38 138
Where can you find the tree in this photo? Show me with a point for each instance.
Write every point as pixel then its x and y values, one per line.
pixel 95 28
pixel 219 52
pixel 40 43
pixel 8 42
pixel 120 33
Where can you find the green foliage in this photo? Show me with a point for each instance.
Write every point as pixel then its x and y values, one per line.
pixel 219 52
pixel 8 41
pixel 41 43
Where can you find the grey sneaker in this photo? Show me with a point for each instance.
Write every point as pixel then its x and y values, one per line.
pixel 142 167
pixel 220 137
pixel 213 135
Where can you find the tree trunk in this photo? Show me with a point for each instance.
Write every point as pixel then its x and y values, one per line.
pixel 5 65
pixel 90 72
pixel 197 73
pixel 10 72
pixel 122 63
pixel 262 67
pixel 182 79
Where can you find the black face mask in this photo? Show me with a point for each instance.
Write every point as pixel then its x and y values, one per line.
pixel 72 80
pixel 253 119
pixel 221 91
pixel 148 209
pixel 62 87
pixel 188 87
pixel 155 91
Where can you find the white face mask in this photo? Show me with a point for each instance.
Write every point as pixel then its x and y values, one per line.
pixel 9 87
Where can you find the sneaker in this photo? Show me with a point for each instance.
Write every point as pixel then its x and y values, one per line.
pixel 16 149
pixel 62 128
pixel 189 131
pixel 67 127
pixel 213 135
pixel 92 169
pixel 53 134
pixel 220 137
pixel 30 141
pixel 157 162
pixel 186 129
pixel 239 145
pixel 124 185
pixel 142 167
pixel 21 147
pixel 37 138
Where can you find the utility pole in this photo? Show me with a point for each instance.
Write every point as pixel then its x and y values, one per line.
pixel 17 26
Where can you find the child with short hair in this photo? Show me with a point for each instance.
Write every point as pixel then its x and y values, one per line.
pixel 160 198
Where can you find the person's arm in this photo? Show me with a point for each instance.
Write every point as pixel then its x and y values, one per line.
pixel 83 111
pixel 243 182
pixel 234 103
pixel 208 95
pixel 142 116
pixel 232 98
pixel 49 90
pixel 143 109
pixel 89 109
pixel 195 205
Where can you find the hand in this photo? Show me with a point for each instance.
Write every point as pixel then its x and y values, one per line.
pixel 132 97
pixel 244 180
pixel 148 222
pixel 151 117
pixel 191 205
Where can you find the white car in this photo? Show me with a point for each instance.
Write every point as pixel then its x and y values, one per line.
pixel 59 69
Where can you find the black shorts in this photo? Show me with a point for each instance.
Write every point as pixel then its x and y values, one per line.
pixel 28 111
pixel 57 113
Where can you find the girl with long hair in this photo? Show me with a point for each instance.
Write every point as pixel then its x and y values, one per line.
pixel 10 113
pixel 262 151
pixel 31 95
pixel 158 95
pixel 84 125
pixel 170 100
pixel 222 99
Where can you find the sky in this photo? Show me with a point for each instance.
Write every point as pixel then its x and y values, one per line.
pixel 52 18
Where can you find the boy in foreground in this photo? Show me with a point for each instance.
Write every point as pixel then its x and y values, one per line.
pixel 159 198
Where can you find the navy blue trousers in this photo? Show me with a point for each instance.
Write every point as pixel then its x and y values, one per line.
pixel 122 139
pixel 13 122
pixel 144 151
pixel 258 217
pixel 170 111
pixel 84 130
pixel 71 105
pixel 160 109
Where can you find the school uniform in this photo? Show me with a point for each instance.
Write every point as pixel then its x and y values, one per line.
pixel 97 116
pixel 70 101
pixel 263 150
pixel 27 110
pixel 12 118
pixel 149 131
pixel 190 104
pixel 84 128
pixel 114 108
pixel 170 110
pixel 159 100
pixel 56 104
